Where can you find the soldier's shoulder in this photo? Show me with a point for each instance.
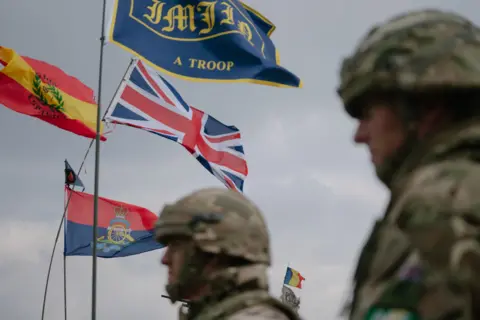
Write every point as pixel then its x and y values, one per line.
pixel 260 311
pixel 457 172
pixel 449 185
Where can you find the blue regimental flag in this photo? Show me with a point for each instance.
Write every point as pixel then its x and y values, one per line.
pixel 124 229
pixel 218 41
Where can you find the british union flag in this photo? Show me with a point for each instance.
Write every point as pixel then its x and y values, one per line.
pixel 147 101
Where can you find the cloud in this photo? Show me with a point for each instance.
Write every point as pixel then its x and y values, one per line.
pixel 126 282
pixel 296 201
pixel 317 190
pixel 34 239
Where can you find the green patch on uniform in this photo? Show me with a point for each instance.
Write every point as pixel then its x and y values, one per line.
pixel 377 313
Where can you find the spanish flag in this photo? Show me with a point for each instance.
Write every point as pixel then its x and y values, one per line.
pixel 38 89
pixel 293 278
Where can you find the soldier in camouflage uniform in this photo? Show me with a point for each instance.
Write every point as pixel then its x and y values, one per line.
pixel 218 252
pixel 413 84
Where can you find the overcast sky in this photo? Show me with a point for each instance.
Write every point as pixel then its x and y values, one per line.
pixel 316 188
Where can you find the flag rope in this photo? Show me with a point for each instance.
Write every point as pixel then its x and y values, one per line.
pixel 68 200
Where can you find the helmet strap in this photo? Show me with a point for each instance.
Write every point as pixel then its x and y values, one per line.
pixel 191 276
pixel 409 116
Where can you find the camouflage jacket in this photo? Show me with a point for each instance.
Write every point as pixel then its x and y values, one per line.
pixel 248 305
pixel 422 260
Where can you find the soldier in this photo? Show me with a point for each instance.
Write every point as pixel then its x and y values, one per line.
pixel 413 84
pixel 218 252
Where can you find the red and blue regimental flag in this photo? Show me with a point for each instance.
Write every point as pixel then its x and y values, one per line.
pixel 123 229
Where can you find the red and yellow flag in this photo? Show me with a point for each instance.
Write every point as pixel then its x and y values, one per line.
pixel 41 90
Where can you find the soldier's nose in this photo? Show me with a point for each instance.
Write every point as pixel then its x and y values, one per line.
pixel 166 257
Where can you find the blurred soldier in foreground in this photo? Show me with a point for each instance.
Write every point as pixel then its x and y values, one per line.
pixel 413 84
pixel 217 257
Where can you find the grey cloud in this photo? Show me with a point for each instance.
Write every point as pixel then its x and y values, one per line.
pixel 317 190
pixel 143 278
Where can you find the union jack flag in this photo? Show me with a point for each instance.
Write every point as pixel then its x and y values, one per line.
pixel 145 100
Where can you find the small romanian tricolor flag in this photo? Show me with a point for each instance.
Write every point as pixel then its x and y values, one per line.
pixel 293 278
pixel 38 89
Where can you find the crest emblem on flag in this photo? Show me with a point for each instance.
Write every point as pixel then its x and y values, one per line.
pixel 118 232
pixel 123 229
pixel 46 95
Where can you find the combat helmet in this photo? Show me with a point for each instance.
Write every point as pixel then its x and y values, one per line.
pixel 418 51
pixel 217 221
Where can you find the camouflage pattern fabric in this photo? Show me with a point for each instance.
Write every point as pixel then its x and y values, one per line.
pixel 263 311
pixel 415 51
pixel 223 222
pixel 249 305
pixel 422 260
pixel 218 221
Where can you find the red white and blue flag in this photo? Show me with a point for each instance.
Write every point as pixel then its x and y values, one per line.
pixel 149 102
pixel 124 229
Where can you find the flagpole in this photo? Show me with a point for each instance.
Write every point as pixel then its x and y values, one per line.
pixel 129 69
pixel 65 286
pixel 97 168
pixel 64 260
pixel 65 264
pixel 56 239
pixel 97 159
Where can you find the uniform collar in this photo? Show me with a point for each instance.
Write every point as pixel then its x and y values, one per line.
pixel 444 145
